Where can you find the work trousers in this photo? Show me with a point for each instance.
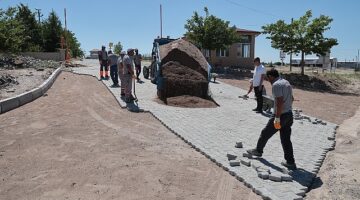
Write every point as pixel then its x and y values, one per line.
pixel 128 85
pixel 286 121
pixel 104 69
pixel 138 70
pixel 259 98
pixel 114 74
pixel 122 82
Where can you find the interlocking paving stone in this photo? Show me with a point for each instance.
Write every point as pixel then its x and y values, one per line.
pixel 234 163
pixel 214 131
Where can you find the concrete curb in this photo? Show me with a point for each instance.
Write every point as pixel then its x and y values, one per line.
pixel 24 98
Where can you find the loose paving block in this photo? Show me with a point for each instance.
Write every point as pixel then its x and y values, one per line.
pixel 234 163
pixel 245 162
pixel 239 145
pixel 247 155
pixel 275 177
pixel 231 156
pixel 263 175
pixel 263 169
pixel 286 177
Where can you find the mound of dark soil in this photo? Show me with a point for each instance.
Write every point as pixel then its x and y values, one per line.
pixel 316 83
pixel 181 80
pixel 187 101
pixel 186 54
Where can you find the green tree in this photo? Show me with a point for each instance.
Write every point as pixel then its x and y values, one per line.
pixel 32 39
pixel 210 32
pixel 118 48
pixel 73 44
pixel 52 32
pixel 12 31
pixel 303 36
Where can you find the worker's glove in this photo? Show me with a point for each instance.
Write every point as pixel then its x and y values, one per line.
pixel 277 123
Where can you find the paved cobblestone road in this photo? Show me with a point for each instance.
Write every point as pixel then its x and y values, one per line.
pixel 214 132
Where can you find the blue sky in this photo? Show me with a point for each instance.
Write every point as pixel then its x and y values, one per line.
pixel 136 23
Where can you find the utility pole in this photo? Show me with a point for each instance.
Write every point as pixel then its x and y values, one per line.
pixel 67 57
pixel 160 21
pixel 39 14
pixel 292 20
pixel 357 62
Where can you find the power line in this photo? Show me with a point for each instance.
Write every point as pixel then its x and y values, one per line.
pixel 253 9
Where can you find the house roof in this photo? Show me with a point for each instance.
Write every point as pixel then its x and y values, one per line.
pixel 94 50
pixel 240 30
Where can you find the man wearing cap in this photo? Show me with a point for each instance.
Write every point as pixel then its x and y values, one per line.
pixel 121 71
pixel 128 74
pixel 113 69
pixel 103 60
pixel 137 61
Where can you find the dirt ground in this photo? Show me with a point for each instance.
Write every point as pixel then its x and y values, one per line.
pixel 331 107
pixel 339 176
pixel 28 79
pixel 187 101
pixel 77 143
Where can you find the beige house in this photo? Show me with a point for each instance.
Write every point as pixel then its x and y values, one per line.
pixel 238 54
pixel 94 54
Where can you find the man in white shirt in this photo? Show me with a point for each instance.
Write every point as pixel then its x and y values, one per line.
pixel 258 79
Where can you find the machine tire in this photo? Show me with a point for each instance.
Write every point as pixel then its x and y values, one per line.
pixel 146 72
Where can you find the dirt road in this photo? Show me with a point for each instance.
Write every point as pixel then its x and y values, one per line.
pixel 77 143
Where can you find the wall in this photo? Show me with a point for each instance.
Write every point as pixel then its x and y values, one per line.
pixel 56 56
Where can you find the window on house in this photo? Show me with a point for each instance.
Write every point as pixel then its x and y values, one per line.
pixel 245 50
pixel 206 53
pixel 222 52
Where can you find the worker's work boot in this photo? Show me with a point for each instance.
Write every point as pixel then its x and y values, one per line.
pixel 289 166
pixel 254 152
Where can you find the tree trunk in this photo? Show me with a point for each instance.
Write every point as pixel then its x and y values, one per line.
pixel 302 62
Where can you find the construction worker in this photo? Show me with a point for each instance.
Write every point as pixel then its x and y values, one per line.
pixel 121 72
pixel 258 79
pixel 128 75
pixel 137 61
pixel 281 120
pixel 103 60
pixel 113 69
